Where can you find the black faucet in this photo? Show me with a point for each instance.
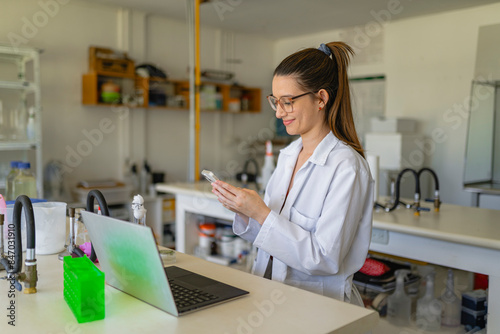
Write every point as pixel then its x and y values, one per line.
pixel 435 200
pixel 416 203
pixel 12 262
pixel 244 174
pixel 91 196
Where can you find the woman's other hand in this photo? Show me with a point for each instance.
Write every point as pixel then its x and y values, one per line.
pixel 242 201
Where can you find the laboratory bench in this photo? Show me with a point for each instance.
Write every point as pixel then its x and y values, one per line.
pixel 270 307
pixel 465 238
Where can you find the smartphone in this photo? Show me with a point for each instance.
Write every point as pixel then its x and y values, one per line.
pixel 210 176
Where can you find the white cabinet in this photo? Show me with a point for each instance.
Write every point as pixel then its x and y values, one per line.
pixel 20 93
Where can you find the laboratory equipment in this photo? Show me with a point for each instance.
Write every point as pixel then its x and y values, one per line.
pixel 24 182
pixel 9 184
pixel 268 168
pixel 451 303
pixel 50 226
pixel 71 244
pixel 474 308
pixel 429 308
pixel 103 209
pixel 13 268
pixel 246 177
pixel 84 289
pixel 435 200
pixel 139 211
pixel 416 204
pixel 31 126
pixel 399 304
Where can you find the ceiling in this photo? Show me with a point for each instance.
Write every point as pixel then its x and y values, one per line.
pixel 286 18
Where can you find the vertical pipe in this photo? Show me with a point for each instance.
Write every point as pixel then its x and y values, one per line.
pixel 197 91
pixel 189 15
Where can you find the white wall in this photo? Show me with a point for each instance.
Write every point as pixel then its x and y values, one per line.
pixel 429 64
pixel 161 136
pixel 65 36
pixel 221 133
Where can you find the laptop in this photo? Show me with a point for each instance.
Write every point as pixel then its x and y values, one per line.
pixel 129 257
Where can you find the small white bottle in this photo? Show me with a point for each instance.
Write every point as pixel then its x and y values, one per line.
pixel 268 168
pixel 399 304
pixel 429 308
pixel 30 126
pixel 452 304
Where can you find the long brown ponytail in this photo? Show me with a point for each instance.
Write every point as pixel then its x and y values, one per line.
pixel 315 70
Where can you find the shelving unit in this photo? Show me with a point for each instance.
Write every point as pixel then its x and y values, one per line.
pixel 166 93
pixel 92 82
pixel 23 89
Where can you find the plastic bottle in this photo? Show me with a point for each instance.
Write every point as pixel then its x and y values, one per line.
pixel 30 127
pixel 452 304
pixel 9 184
pixel 24 181
pixel 429 308
pixel 399 304
pixel 268 168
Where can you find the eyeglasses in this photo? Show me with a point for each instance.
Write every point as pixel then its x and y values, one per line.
pixel 286 102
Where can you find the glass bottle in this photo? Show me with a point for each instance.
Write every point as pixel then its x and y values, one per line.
pixel 25 182
pixel 429 308
pixel 399 304
pixel 18 121
pixel 9 184
pixel 452 304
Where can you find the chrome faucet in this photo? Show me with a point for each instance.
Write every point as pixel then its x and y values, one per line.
pixel 12 260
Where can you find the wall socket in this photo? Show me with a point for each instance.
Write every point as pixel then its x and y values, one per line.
pixel 380 236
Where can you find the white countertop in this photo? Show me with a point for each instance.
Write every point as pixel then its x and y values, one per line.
pixel 459 224
pixel 262 311
pixel 200 189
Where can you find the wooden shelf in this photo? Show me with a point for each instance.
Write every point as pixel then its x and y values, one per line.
pixel 160 93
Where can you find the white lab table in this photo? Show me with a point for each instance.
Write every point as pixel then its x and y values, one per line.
pixel 270 307
pixel 465 238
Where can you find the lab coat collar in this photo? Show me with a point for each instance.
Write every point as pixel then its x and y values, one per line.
pixel 320 153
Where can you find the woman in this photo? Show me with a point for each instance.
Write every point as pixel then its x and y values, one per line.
pixel 313 228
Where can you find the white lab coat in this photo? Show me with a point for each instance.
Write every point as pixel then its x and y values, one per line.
pixel 322 235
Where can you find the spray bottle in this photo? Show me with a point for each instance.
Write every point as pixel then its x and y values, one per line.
pixel 268 168
pixel 452 304
pixel 429 308
pixel 139 210
pixel 399 304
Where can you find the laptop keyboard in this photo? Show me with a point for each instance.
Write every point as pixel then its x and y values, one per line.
pixel 185 297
